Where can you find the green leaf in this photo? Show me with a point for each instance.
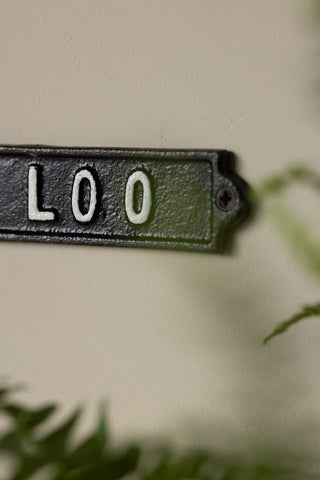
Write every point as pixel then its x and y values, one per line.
pixel 95 459
pixel 5 391
pixel 29 418
pixel 11 442
pixel 92 449
pixel 277 183
pixel 55 446
pixel 307 311
pixel 51 449
pixel 112 466
pixel 29 465
pixel 297 236
pixel 117 465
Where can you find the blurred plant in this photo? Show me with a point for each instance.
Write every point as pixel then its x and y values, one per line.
pixel 57 456
pixel 297 235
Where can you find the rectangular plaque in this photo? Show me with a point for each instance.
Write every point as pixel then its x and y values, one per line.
pixel 178 199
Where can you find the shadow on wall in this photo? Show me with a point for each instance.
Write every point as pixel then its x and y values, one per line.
pixel 265 390
pixel 272 412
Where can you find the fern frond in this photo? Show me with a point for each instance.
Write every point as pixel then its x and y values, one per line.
pixel 307 311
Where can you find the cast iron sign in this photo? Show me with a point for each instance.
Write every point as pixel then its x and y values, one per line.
pixel 178 199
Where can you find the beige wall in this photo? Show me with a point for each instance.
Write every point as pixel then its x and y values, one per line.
pixel 173 340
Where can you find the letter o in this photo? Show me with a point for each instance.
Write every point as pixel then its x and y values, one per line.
pixel 143 215
pixel 78 215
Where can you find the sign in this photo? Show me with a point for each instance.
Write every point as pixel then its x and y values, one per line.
pixel 180 199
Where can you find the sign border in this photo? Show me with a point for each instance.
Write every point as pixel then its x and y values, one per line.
pixel 222 176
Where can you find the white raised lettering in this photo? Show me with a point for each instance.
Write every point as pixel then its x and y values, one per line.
pixel 143 215
pixel 33 201
pixel 78 215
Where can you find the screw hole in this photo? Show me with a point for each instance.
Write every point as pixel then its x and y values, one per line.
pixel 226 199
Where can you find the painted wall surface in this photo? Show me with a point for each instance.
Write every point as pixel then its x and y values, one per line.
pixel 172 340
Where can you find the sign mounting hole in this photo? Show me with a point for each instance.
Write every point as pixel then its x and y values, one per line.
pixel 226 199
